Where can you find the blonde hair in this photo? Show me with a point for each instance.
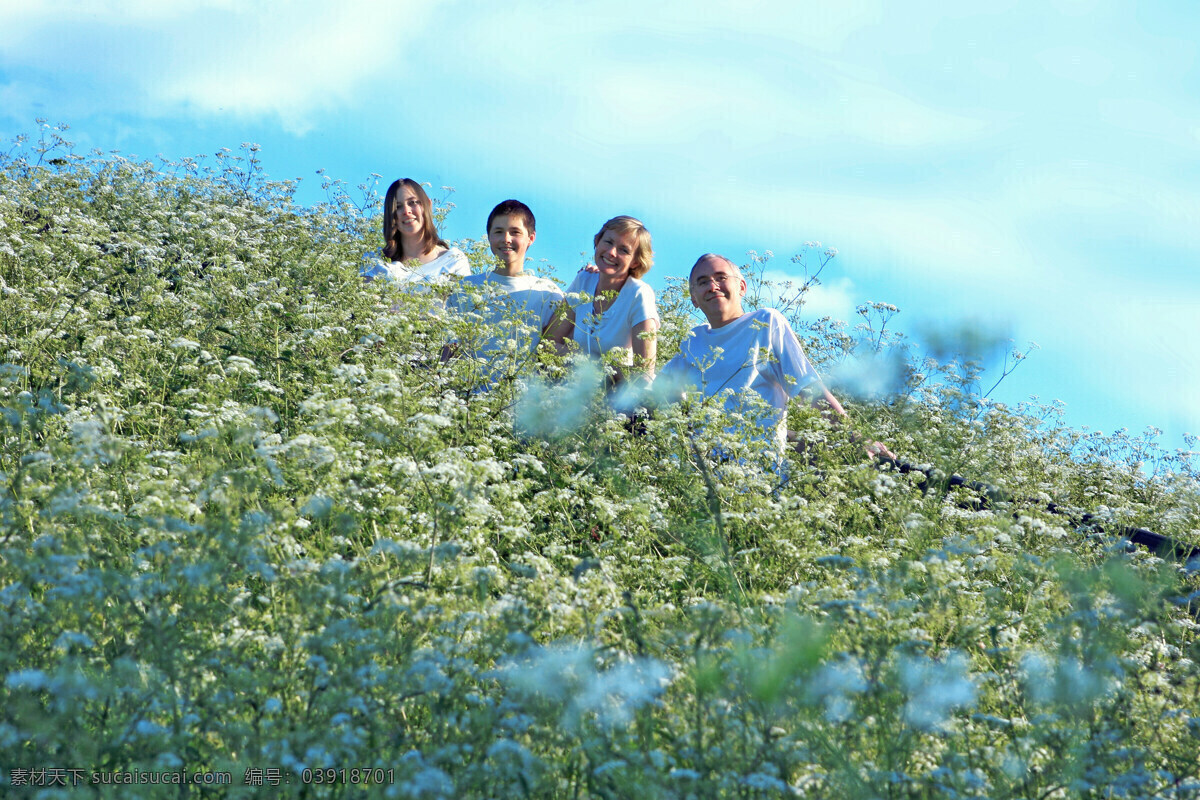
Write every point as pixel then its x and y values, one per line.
pixel 643 253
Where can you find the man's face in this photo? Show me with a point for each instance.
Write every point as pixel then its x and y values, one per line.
pixel 717 290
pixel 509 239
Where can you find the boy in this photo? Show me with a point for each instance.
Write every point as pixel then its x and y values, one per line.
pixel 511 303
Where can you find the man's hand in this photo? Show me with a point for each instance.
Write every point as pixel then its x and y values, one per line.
pixel 879 450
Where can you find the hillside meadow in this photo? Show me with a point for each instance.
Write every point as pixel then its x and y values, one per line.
pixel 250 523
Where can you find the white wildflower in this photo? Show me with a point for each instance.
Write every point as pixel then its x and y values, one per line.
pixel 935 688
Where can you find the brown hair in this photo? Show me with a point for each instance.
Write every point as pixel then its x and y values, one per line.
pixel 643 254
pixel 392 246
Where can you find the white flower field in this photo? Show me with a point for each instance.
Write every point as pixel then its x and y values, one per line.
pixel 250 523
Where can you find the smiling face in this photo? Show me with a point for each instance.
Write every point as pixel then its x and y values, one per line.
pixel 623 238
pixel 616 253
pixel 509 239
pixel 408 226
pixel 410 213
pixel 716 288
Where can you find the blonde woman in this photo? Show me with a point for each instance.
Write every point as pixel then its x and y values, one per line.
pixel 618 311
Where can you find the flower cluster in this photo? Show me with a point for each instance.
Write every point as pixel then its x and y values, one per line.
pixel 249 517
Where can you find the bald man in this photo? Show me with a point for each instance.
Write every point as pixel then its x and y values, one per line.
pixel 739 351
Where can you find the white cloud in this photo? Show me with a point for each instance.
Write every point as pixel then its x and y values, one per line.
pixel 891 119
pixel 936 236
pixel 249 59
pixel 668 74
pixel 836 297
pixel 681 101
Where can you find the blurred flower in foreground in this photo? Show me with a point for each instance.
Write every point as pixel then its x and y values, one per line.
pixel 566 677
pixel 835 685
pixel 934 689
pixel 553 411
pixel 870 376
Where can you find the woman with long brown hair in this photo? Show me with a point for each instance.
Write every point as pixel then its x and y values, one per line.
pixel 413 252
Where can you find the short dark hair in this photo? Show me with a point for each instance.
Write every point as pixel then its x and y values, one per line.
pixel 511 207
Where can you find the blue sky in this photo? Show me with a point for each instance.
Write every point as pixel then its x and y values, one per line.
pixel 1028 168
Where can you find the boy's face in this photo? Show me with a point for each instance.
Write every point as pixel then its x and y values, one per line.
pixel 509 239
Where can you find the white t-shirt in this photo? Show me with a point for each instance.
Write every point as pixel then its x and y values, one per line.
pixel 634 305
pixel 515 307
pixel 450 264
pixel 759 351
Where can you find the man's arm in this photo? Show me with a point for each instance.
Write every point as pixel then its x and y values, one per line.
pixel 794 363
pixel 823 400
pixel 826 403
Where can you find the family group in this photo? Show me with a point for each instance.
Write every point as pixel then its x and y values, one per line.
pixel 608 307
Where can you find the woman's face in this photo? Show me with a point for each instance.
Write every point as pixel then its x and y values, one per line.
pixel 615 253
pixel 410 216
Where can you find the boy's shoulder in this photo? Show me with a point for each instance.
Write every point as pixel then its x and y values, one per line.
pixel 490 283
pixel 475 279
pixel 534 283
